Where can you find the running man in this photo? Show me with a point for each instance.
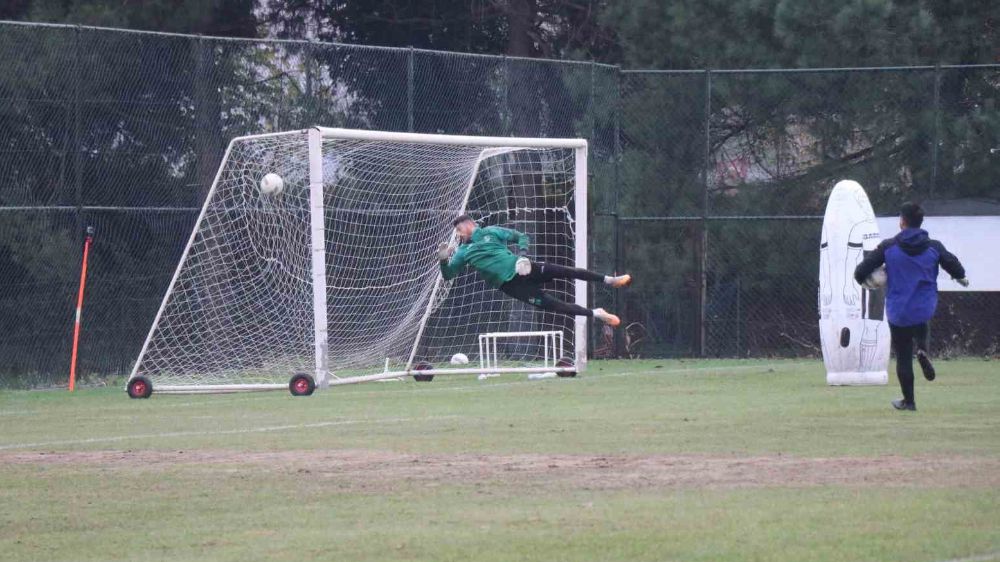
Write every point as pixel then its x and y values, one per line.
pixel 911 261
pixel 485 249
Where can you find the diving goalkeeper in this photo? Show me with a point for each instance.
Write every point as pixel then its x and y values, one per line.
pixel 485 249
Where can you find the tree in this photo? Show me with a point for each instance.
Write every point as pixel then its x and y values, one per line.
pixel 810 128
pixel 547 28
pixel 230 18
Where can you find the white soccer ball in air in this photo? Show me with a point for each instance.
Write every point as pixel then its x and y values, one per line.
pixel 271 184
pixel 877 279
pixel 460 359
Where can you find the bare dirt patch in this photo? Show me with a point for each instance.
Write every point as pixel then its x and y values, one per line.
pixel 383 470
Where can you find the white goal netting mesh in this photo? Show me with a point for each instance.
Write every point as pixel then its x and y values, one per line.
pixel 241 309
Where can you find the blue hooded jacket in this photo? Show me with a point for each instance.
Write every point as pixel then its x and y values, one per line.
pixel 911 261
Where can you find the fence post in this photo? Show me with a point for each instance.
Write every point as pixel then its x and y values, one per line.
pixel 739 318
pixel 307 56
pixel 199 107
pixel 77 136
pixel 409 91
pixel 307 51
pixel 591 104
pixel 591 110
pixel 207 114
pixel 937 129
pixel 703 239
pixel 508 118
pixel 616 299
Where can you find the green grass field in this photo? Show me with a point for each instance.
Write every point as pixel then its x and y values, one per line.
pixel 644 460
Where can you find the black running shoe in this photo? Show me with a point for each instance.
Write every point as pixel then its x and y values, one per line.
pixel 925 365
pixel 904 405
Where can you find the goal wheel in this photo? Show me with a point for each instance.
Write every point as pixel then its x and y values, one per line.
pixel 423 366
pixel 139 387
pixel 563 363
pixel 301 385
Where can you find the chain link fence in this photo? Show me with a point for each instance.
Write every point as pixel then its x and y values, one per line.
pixel 731 169
pixel 707 185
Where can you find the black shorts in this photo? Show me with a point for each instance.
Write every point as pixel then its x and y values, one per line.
pixel 528 288
pixel 525 288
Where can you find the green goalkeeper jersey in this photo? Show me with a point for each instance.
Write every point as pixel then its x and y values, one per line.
pixel 487 253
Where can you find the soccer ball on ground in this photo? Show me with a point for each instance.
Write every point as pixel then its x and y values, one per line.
pixel 877 279
pixel 271 184
pixel 460 359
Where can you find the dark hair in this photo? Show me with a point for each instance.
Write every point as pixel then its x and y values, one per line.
pixel 912 213
pixel 460 219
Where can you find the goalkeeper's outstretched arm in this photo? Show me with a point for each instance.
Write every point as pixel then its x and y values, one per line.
pixel 451 263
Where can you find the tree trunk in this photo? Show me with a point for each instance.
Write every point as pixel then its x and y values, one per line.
pixel 520 18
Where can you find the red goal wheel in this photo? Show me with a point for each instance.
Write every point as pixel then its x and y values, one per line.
pixel 301 385
pixel 423 366
pixel 562 364
pixel 139 387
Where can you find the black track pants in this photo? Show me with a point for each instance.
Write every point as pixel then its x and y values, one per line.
pixel 528 288
pixel 903 339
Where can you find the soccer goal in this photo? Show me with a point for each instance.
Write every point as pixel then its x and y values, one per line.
pixel 313 261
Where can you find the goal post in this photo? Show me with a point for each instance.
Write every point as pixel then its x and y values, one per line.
pixel 334 272
pixel 580 252
pixel 317 240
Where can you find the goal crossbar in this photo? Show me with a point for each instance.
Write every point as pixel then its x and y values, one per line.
pixel 427 138
pixel 464 140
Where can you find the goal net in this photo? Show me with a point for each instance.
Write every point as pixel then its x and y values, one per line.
pixel 336 273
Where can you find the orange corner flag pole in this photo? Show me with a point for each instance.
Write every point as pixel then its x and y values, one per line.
pixel 79 307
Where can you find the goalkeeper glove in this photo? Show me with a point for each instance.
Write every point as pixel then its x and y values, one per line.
pixel 522 266
pixel 963 281
pixel 444 251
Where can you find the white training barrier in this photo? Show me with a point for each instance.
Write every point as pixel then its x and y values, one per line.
pixel 552 343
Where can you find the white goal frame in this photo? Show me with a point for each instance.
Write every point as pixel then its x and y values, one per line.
pixel 552 343
pixel 321 373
